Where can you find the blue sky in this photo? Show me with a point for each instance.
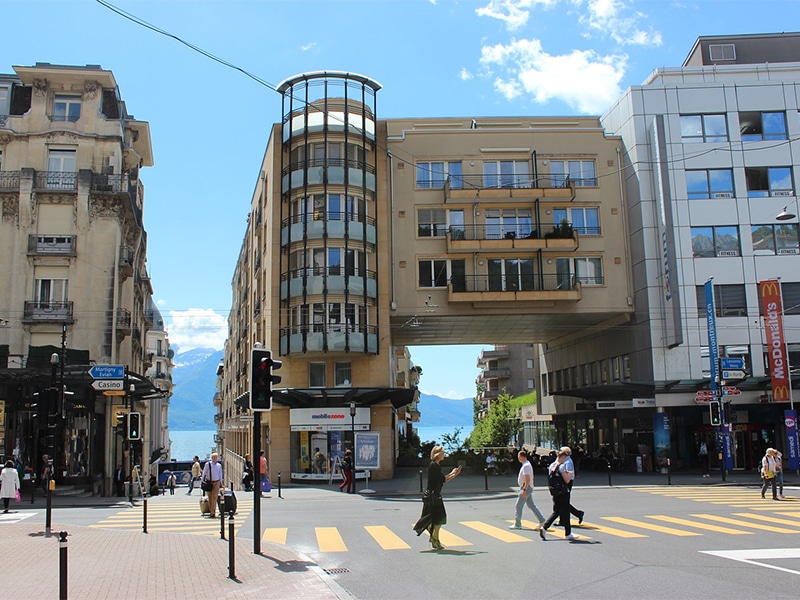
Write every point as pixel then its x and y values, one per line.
pixel 209 123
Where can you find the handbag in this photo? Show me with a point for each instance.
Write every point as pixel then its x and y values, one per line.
pixel 17 496
pixel 769 474
pixel 206 485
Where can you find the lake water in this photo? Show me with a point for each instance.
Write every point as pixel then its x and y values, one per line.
pixel 187 444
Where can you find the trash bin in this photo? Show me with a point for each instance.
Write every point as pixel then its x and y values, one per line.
pixel 229 502
pixel 639 464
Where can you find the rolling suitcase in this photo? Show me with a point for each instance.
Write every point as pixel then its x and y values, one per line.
pixel 204 509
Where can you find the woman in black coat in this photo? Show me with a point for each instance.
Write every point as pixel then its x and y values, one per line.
pixel 433 512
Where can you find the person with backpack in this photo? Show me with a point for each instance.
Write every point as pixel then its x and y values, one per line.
pixel 170 484
pixel 558 480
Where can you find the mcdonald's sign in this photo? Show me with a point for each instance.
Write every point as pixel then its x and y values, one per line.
pixel 772 307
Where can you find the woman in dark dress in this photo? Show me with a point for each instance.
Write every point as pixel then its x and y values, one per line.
pixel 433 512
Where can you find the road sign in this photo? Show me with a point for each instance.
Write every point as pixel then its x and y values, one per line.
pixel 107 371
pixel 113 392
pixel 735 364
pixel 730 390
pixel 108 384
pixel 734 374
pixel 704 396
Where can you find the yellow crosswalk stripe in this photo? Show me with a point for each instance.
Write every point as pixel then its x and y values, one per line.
pixel 386 538
pixel 329 540
pixel 612 530
pixel 651 527
pixel 504 535
pixel 769 519
pixel 706 526
pixel 451 539
pixel 275 535
pixel 743 523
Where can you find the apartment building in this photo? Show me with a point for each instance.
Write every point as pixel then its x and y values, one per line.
pixel 505 369
pixel 74 286
pixel 367 235
pixel 159 355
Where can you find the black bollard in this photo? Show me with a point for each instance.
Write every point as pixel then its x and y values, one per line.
pixel 608 462
pixel 231 550
pixel 144 514
pixel 420 481
pixel 62 565
pixel 221 508
pixel 279 485
pixel 669 474
pixel 48 518
pixel 486 479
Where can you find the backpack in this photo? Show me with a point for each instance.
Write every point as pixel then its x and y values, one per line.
pixel 556 483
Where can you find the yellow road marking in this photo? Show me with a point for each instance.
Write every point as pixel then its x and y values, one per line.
pixel 768 519
pixel 650 526
pixel 717 528
pixel 612 531
pixel 743 523
pixel 275 535
pixel 451 539
pixel 503 535
pixel 386 538
pixel 329 540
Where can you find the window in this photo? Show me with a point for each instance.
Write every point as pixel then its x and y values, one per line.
pixel 508 223
pixel 506 174
pixel 775 239
pixel 50 291
pixel 432 175
pixel 342 374
pixel 715 241
pixel 529 363
pixel 434 273
pixel 721 52
pixel 768 181
pixel 5 97
pixel 586 221
pixel 587 270
pixel 511 274
pixel 321 154
pixel 703 128
pixel 431 222
pixel 729 301
pixel 66 108
pixel 756 126
pixel 530 384
pixel 334 317
pixel 316 375
pixel 334 207
pixel 791 300
pixel 709 183
pixel 456 226
pixel 580 172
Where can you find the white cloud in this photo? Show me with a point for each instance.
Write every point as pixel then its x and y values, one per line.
pixel 465 74
pixel 615 19
pixel 586 81
pixel 514 13
pixel 197 328
pixel 309 46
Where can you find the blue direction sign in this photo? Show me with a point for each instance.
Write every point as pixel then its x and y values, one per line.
pixel 107 372
pixel 732 364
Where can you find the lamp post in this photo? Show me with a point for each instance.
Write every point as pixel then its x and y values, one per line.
pixel 353 429
pixel 57 398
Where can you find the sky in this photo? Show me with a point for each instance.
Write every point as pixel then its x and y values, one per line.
pixel 200 72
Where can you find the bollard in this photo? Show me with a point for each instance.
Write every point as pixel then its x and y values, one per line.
pixel 279 485
pixel 420 481
pixel 62 565
pixel 144 515
pixel 486 479
pixel 48 519
pixel 608 462
pixel 231 550
pixel 669 474
pixel 221 508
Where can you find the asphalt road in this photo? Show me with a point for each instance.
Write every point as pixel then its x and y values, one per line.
pixel 636 542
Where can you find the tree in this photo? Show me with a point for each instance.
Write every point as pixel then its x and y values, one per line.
pixel 451 442
pixel 499 425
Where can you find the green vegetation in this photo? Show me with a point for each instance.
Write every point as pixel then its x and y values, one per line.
pixel 502 422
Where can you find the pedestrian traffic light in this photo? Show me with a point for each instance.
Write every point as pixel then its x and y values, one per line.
pixel 728 414
pixel 261 379
pixel 134 426
pixel 716 417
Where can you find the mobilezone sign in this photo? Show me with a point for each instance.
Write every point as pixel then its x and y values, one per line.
pixel 328 418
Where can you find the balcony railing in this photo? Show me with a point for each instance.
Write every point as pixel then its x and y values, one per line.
pixel 515 283
pixel 512 181
pixel 55 180
pixel 330 162
pixel 329 216
pixel 102 182
pixel 9 180
pixel 64 245
pixel 48 312
pixel 123 320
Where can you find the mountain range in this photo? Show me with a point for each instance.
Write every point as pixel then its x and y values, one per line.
pixel 191 407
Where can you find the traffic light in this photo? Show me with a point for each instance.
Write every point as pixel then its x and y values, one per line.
pixel 261 379
pixel 134 426
pixel 119 428
pixel 728 414
pixel 716 417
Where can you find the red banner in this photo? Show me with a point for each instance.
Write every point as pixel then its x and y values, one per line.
pixel 772 307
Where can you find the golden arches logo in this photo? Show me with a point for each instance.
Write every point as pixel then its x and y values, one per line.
pixel 780 393
pixel 769 288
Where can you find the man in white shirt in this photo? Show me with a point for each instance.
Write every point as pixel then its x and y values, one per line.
pixel 525 494
pixel 212 471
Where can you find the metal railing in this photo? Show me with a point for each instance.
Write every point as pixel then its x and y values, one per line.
pixel 9 180
pixel 55 180
pixel 514 283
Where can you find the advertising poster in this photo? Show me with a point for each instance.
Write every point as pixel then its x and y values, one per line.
pixel 368 445
pixel 790 420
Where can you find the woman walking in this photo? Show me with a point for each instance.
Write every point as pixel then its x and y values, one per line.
pixel 768 472
pixel 433 513
pixel 9 484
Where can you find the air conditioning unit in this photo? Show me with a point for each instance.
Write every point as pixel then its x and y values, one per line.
pixel 783 193
pixel 722 195
pixel 728 253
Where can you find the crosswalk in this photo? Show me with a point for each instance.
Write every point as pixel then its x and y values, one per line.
pixel 737 497
pixel 177 518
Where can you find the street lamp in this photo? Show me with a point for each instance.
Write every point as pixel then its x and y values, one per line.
pixel 785 215
pixel 353 429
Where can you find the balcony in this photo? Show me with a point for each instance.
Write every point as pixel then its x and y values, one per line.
pixel 334 280
pixel 487 238
pixel 123 321
pixel 39 311
pixel 502 187
pixel 330 225
pixel 52 245
pixel 494 288
pixel 496 373
pixel 499 351
pixel 126 261
pixel 9 180
pixel 335 337
pixel 55 180
pixel 333 171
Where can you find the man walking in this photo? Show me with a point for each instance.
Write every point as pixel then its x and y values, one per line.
pixel 525 494
pixel 212 471
pixel 196 472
